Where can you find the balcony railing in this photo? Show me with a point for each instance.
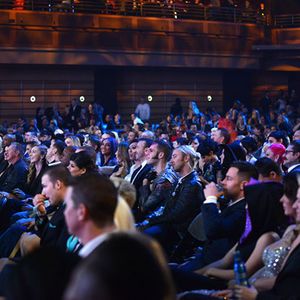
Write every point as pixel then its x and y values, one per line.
pixel 178 10
pixel 287 20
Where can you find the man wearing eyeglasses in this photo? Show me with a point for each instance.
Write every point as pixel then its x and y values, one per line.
pixel 292 157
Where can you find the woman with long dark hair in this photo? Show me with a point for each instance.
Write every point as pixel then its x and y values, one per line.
pixel 108 152
pixel 81 163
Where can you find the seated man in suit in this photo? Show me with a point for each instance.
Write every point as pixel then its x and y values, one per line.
pixel 223 227
pixel 182 205
pixel 139 174
pixel 13 174
pixel 13 171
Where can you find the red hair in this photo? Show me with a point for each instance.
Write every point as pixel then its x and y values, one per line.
pixel 229 125
pixel 278 149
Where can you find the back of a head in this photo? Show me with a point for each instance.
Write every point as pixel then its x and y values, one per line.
pixel 279 135
pixel 60 146
pixel 232 153
pixel 290 186
pixel 249 143
pixel 90 150
pixel 98 194
pixel 125 189
pixel 207 147
pixel 125 266
pixel 265 210
pixel 266 165
pixel 10 138
pixel 94 140
pixel 182 141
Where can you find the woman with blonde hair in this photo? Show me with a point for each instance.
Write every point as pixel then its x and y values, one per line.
pixel 72 140
pixel 122 156
pixel 37 167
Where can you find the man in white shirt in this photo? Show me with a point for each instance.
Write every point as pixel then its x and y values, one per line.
pixel 90 206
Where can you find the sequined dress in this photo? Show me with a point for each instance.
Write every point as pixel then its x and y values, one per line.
pixel 274 256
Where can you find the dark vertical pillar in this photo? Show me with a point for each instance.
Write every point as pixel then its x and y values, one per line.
pixel 236 86
pixel 294 82
pixel 105 89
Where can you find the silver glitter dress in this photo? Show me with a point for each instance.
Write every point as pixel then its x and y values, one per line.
pixel 274 256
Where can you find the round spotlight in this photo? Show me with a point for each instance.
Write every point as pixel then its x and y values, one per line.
pixel 150 98
pixel 209 98
pixel 32 99
pixel 81 98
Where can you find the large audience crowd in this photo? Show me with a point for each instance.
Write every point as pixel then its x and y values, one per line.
pixel 92 207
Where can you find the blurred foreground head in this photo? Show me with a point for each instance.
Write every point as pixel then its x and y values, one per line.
pixel 125 266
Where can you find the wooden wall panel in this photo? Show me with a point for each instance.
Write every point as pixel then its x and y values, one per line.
pixel 66 39
pixel 49 87
pixel 165 86
pixel 268 81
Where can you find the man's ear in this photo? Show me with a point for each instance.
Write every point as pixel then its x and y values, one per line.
pixel 58 184
pixel 82 212
pixel 160 155
pixel 186 158
pixel 242 184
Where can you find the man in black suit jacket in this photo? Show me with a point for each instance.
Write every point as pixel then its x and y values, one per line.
pixel 224 228
pixel 183 204
pixel 13 171
pixel 141 172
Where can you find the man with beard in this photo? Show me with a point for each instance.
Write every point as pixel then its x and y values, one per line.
pixel 223 227
pixel 291 158
pixel 159 182
pixel 181 206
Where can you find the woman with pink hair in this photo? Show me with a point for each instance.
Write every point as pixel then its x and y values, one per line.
pixel 275 152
